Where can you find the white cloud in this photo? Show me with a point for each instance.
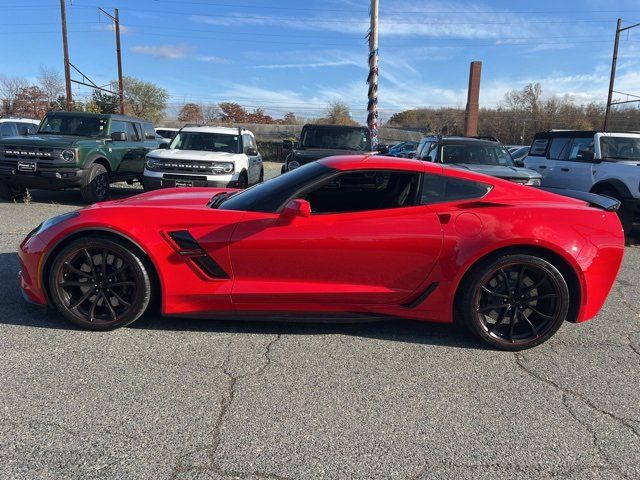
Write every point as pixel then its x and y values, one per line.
pixel 210 59
pixel 110 27
pixel 171 52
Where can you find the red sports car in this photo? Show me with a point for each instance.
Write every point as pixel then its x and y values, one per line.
pixel 344 237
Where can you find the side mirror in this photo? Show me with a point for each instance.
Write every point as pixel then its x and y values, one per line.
pixel 287 145
pixel 586 155
pixel 297 208
pixel 163 146
pixel 119 137
pixel 251 152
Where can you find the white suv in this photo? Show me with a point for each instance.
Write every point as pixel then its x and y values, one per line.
pixel 597 162
pixel 205 157
pixel 15 126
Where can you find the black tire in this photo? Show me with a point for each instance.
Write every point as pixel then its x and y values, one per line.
pixel 95 184
pixel 118 282
pixel 283 170
pixel 524 289
pixel 261 177
pixel 11 192
pixel 243 181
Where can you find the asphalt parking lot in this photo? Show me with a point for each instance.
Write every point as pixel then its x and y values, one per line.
pixel 196 399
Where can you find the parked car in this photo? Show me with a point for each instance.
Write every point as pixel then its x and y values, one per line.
pixel 482 156
pixel 345 237
pixel 167 132
pixel 319 141
pixel 518 155
pixel 15 126
pixel 591 161
pixel 206 157
pixel 76 150
pixel 401 149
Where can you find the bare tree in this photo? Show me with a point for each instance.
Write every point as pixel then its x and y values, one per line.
pixel 211 113
pixel 10 88
pixel 51 83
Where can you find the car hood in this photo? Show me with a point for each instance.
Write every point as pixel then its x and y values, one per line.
pixel 174 154
pixel 47 141
pixel 170 197
pixel 499 171
pixel 311 154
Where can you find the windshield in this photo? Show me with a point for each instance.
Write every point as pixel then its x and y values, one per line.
pixel 81 125
pixel 205 141
pixel 620 148
pixel 271 195
pixel 339 138
pixel 476 155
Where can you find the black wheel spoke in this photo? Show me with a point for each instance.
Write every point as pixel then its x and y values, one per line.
pixel 103 264
pixel 526 319
pixel 495 294
pixel 76 284
pixel 122 284
pixel 506 278
pixel 112 312
pixel 77 271
pixel 512 324
pixel 539 313
pixel 119 298
pixel 81 300
pixel 521 278
pixel 541 297
pixel 91 265
pixel 494 306
pixel 92 310
pixel 118 271
pixel 498 321
pixel 536 285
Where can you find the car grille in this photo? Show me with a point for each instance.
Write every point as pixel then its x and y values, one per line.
pixel 12 154
pixel 187 167
pixel 184 177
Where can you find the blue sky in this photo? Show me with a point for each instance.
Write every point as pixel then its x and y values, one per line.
pixel 288 55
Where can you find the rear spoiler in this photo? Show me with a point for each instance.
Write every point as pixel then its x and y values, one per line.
pixel 600 201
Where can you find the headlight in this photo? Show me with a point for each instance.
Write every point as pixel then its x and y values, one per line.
pixel 292 165
pixel 534 182
pixel 222 167
pixel 47 224
pixel 152 163
pixel 68 155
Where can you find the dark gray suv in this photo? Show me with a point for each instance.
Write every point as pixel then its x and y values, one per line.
pixel 478 155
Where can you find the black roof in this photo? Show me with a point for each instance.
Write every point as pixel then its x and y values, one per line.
pixel 345 127
pixel 452 140
pixel 565 133
pixel 113 116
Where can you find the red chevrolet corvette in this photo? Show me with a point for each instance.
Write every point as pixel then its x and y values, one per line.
pixel 345 237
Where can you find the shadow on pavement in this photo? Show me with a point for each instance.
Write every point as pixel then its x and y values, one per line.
pixel 72 197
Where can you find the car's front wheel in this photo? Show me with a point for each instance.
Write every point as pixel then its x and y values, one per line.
pixel 514 302
pixel 99 283
pixel 95 185
pixel 10 192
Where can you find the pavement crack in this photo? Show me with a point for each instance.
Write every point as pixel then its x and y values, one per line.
pixel 623 299
pixel 228 396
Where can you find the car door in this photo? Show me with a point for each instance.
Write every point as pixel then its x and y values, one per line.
pixel 575 173
pixel 550 166
pixel 133 152
pixel 367 241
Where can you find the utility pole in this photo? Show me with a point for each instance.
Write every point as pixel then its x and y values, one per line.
pixel 116 21
pixel 612 80
pixel 65 47
pixel 372 79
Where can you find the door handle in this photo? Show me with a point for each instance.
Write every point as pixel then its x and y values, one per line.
pixel 564 169
pixel 542 167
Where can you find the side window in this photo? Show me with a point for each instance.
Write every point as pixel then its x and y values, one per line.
pixel 118 126
pixel 132 132
pixel 247 142
pixel 27 128
pixel 432 155
pixel 424 151
pixel 439 188
pixel 149 132
pixel 580 144
pixel 539 147
pixel 364 190
pixel 8 129
pixel 559 148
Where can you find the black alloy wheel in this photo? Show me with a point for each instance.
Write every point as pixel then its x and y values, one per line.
pixel 514 302
pixel 99 283
pixel 10 191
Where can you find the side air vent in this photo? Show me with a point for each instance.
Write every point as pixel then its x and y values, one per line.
pixel 189 247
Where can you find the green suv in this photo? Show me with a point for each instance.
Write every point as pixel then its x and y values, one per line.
pixel 76 150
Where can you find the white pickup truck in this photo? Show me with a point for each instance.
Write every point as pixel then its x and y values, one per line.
pixel 606 163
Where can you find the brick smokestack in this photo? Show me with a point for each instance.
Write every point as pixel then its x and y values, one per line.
pixel 473 98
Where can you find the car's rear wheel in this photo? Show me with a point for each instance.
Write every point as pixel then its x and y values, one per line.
pixel 243 181
pixel 95 185
pixel 514 302
pixel 261 177
pixel 10 192
pixel 99 283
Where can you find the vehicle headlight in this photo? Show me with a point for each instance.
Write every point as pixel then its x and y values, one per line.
pixel 222 167
pixel 153 163
pixel 534 182
pixel 292 165
pixel 47 224
pixel 68 155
